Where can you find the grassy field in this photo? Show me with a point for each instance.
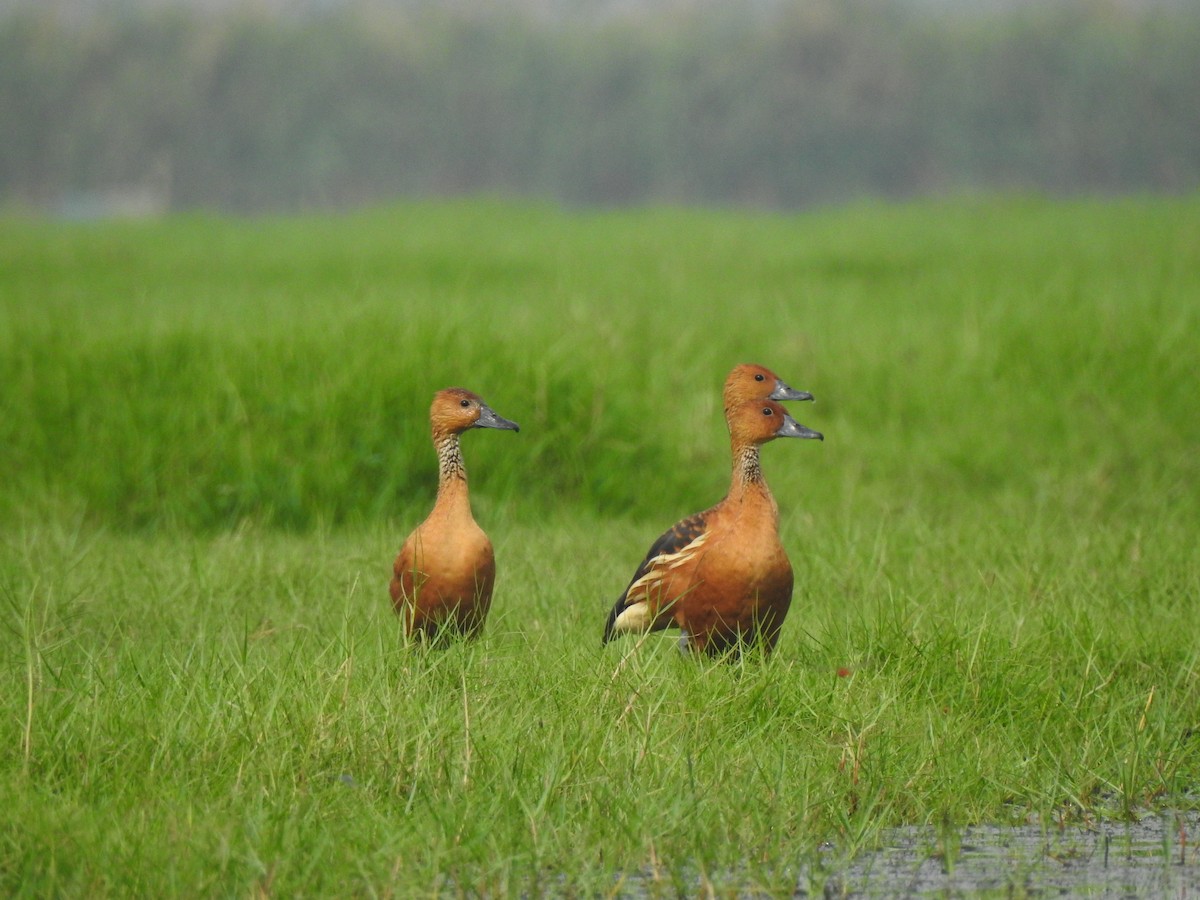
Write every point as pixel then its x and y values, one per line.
pixel 213 437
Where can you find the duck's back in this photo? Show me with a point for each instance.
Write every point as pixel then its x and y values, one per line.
pixel 661 579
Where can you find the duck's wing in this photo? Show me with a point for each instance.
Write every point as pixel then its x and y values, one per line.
pixel 674 547
pixel 403 575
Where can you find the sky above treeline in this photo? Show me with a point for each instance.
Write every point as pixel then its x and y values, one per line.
pixel 286 104
pixel 575 9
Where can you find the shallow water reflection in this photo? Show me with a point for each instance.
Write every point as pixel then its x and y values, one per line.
pixel 1156 856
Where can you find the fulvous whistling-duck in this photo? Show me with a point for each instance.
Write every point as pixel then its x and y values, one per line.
pixel 751 382
pixel 721 575
pixel 442 579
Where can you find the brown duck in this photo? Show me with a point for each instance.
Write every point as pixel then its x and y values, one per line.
pixel 443 577
pixel 722 575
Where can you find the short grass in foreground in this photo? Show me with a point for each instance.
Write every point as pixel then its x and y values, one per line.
pixel 215 715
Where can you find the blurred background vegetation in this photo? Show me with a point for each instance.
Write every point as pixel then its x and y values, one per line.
pixel 975 360
pixel 146 107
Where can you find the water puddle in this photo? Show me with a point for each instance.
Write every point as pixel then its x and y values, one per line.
pixel 1156 856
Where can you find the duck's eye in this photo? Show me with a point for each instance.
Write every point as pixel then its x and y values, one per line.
pixel 767 411
pixel 464 403
pixel 760 377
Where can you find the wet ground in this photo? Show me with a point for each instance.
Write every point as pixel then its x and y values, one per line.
pixel 1156 856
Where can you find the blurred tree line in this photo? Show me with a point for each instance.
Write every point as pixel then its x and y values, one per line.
pixel 780 105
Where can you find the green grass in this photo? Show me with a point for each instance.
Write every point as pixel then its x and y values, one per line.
pixel 213 437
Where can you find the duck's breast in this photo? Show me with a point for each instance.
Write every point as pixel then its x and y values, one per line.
pixel 743 581
pixel 444 561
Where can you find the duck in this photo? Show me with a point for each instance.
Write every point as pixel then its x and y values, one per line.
pixel 443 577
pixel 750 382
pixel 722 576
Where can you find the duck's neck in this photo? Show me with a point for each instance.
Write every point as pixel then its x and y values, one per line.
pixel 747 477
pixel 452 473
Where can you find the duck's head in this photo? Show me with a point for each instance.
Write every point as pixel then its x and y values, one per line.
pixel 757 423
pixel 749 383
pixel 456 410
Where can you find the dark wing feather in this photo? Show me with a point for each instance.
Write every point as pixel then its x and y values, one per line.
pixel 670 541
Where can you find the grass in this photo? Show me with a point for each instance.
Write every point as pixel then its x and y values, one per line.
pixel 214 434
